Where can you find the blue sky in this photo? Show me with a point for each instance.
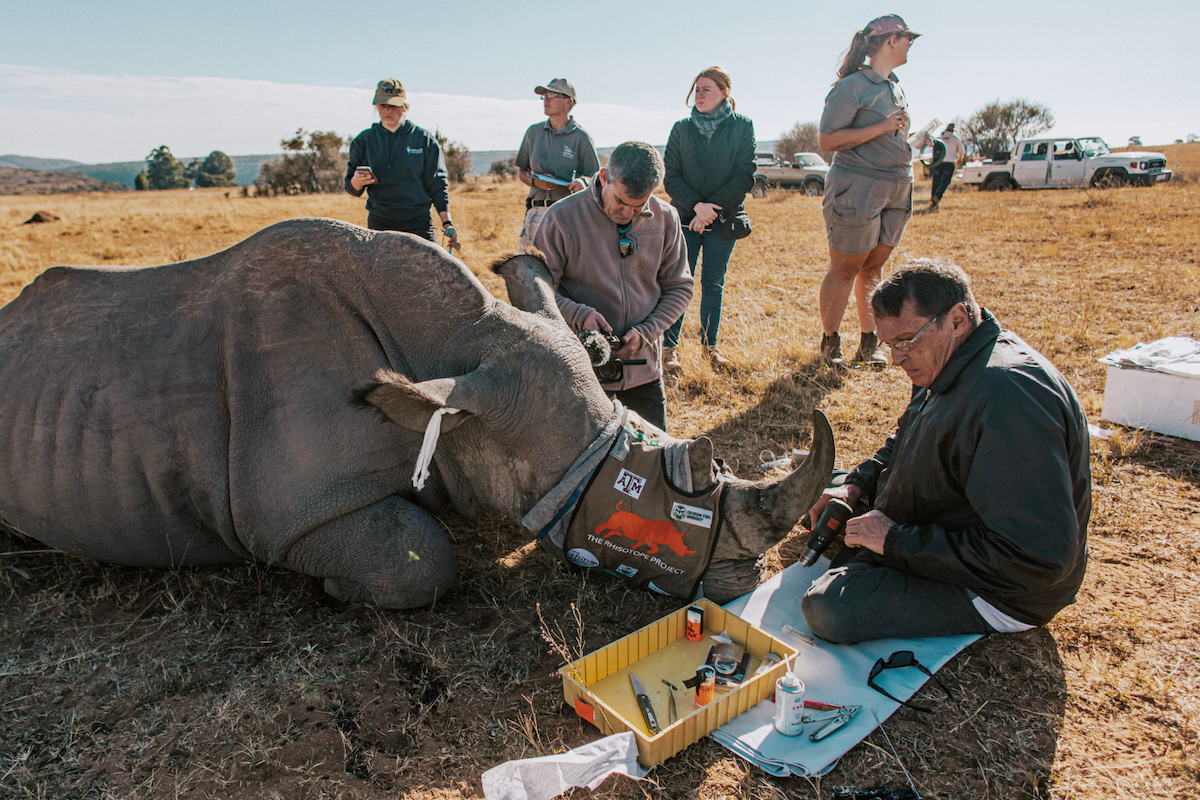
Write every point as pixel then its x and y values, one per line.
pixel 100 82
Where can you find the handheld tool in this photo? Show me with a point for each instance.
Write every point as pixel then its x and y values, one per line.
pixel 829 525
pixel 647 708
pixel 834 720
pixel 672 711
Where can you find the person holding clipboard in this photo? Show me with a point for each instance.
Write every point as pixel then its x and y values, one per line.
pixel 557 157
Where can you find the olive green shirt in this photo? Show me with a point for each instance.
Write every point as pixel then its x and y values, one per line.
pixel 567 154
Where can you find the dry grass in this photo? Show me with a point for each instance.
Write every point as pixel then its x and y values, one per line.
pixel 245 681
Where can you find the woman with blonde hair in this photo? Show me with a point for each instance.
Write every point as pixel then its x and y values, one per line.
pixel 868 192
pixel 710 168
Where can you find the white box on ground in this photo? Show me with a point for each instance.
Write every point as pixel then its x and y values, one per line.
pixel 1155 386
pixel 1157 401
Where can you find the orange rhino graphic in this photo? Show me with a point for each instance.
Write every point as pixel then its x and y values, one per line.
pixel 649 532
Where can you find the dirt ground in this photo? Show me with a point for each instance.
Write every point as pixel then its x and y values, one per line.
pixel 246 681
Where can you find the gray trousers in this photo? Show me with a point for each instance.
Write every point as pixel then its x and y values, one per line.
pixel 859 599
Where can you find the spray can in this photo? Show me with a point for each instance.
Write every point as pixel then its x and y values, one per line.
pixel 695 623
pixel 789 705
pixel 708 685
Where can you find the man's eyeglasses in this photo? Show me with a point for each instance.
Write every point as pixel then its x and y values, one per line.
pixel 909 344
pixel 556 95
pixel 898 659
pixel 625 243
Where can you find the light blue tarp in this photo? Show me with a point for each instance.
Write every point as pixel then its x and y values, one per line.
pixel 832 673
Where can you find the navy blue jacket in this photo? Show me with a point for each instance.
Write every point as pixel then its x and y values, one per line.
pixel 409 167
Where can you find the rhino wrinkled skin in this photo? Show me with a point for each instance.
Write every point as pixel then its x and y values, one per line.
pixel 220 409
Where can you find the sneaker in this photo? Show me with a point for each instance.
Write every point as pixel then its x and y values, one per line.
pixel 870 354
pixel 716 359
pixel 831 351
pixel 671 363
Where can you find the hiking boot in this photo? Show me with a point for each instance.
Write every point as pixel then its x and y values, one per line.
pixel 934 203
pixel 870 354
pixel 831 351
pixel 716 359
pixel 670 361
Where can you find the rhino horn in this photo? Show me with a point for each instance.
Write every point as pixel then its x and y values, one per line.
pixel 530 286
pixel 759 515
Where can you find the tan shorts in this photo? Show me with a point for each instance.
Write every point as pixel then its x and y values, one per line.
pixel 533 218
pixel 861 212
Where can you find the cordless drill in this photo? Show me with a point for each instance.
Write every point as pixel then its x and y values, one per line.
pixel 831 522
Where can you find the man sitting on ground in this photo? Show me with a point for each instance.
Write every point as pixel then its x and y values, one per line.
pixel 979 502
pixel 619 264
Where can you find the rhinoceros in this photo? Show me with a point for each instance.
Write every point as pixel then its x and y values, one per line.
pixel 228 408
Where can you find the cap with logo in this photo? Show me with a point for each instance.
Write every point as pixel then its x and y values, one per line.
pixel 889 24
pixel 390 92
pixel 558 86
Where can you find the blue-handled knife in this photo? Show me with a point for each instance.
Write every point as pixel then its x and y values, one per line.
pixel 644 704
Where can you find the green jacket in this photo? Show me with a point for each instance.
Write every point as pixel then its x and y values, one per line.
pixel 718 170
pixel 988 480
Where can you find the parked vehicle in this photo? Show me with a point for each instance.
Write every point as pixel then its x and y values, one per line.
pixel 806 172
pixel 1059 163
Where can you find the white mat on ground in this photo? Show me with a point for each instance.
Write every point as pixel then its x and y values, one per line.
pixel 835 674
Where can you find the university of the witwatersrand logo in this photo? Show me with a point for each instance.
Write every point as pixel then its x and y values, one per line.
pixel 568 152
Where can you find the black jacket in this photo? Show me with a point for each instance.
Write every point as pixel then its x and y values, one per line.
pixel 409 167
pixel 987 478
pixel 718 170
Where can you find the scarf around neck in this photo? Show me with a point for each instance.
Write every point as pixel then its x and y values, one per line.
pixel 707 123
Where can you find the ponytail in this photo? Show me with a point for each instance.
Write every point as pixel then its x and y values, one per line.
pixel 861 46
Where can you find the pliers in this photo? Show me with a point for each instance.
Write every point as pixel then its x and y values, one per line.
pixel 834 719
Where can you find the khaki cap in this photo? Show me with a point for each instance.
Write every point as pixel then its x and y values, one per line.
pixel 390 92
pixel 558 85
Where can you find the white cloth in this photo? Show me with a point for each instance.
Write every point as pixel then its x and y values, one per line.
pixel 428 445
pixel 549 776
pixel 1174 355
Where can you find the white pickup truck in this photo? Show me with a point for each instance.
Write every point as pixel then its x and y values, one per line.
pixel 1061 163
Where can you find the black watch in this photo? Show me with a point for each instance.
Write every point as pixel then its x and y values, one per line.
pixel 447 224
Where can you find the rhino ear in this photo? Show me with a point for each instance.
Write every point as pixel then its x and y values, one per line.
pixel 700 457
pixel 410 405
pixel 530 286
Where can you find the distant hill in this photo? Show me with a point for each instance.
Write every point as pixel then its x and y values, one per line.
pixel 124 172
pixel 29 162
pixel 38 181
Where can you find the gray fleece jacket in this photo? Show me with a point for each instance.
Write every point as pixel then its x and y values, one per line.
pixel 646 291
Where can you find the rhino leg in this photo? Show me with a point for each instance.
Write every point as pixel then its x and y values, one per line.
pixel 391 554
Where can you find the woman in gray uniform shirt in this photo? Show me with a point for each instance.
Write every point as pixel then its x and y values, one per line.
pixel 868 192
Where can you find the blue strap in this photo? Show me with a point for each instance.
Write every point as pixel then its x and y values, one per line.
pixel 567 506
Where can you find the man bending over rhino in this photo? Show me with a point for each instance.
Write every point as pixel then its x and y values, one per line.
pixel 973 515
pixel 619 264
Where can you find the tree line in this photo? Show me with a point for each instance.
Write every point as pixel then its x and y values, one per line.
pixel 312 163
pixel 164 171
